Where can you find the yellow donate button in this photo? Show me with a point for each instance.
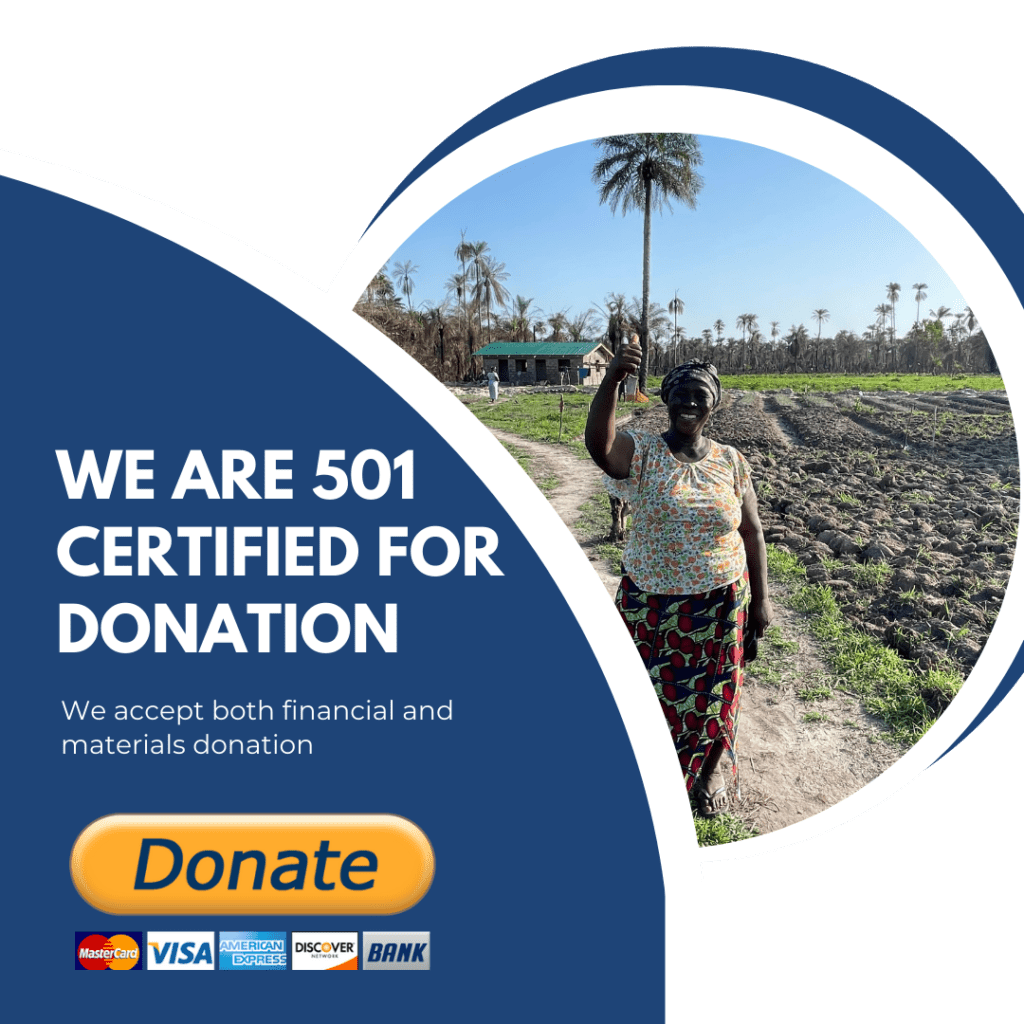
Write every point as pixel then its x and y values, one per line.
pixel 252 864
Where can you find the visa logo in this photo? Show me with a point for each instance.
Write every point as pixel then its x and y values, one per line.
pixel 183 955
pixel 177 950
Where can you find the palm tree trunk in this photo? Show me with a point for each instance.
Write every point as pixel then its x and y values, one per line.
pixel 462 297
pixel 645 301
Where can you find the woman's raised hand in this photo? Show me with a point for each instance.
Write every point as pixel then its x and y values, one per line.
pixel 626 361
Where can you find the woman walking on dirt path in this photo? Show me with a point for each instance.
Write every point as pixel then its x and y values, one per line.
pixel 695 563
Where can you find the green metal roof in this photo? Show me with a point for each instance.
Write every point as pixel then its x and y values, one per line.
pixel 538 348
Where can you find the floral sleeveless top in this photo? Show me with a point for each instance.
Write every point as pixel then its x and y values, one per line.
pixel 684 538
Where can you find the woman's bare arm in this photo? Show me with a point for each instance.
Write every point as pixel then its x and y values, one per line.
pixel 761 612
pixel 612 452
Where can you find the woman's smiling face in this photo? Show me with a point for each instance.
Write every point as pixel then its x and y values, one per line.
pixel 689 407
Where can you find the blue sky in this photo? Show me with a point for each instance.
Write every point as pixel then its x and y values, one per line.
pixel 770 235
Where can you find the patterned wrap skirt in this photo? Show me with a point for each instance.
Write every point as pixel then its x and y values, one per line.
pixel 692 645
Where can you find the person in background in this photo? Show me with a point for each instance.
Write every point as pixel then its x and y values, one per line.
pixel 492 384
pixel 695 563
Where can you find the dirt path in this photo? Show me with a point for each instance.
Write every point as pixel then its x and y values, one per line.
pixel 578 480
pixel 797 757
pixel 788 768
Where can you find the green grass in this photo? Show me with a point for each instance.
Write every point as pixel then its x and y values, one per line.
pixel 901 695
pixel 774 641
pixel 766 671
pixel 772 657
pixel 872 574
pixel 784 565
pixel 814 693
pixel 536 417
pixel 725 828
pixel 519 455
pixel 595 517
pixel 612 556
pixel 549 483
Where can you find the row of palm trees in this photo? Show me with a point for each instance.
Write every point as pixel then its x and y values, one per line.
pixel 479 307
pixel 926 349
pixel 477 289
pixel 646 172
pixel 929 346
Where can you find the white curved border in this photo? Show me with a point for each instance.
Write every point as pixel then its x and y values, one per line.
pixel 850 158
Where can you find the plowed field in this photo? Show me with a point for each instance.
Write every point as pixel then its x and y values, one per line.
pixel 905 505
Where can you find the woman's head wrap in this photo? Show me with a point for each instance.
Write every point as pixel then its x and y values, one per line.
pixel 699 372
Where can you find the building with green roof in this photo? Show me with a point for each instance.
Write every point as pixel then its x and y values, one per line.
pixel 551 362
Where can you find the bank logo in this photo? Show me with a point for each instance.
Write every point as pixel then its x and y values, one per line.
pixel 179 951
pixel 325 951
pixel 108 951
pixel 253 951
pixel 396 951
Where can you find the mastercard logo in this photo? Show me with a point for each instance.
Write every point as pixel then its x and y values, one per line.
pixel 97 952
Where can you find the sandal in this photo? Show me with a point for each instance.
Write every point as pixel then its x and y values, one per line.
pixel 709 804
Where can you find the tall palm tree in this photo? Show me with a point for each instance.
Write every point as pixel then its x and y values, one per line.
pixel 644 172
pixel 523 316
pixel 456 285
pixel 747 322
pixel 719 326
pixel 490 287
pixel 920 295
pixel 581 325
pixel 881 312
pixel 742 321
pixel 892 293
pixel 675 307
pixel 972 320
pixel 821 315
pixel 796 340
pixel 403 275
pixel 435 317
pixel 706 335
pixel 476 256
pixel 614 307
pixel 754 348
pixel 940 314
pixel 558 323
pixel 657 316
pixel 463 252
pixel 958 329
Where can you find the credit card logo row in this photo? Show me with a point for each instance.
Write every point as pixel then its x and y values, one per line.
pixel 251 951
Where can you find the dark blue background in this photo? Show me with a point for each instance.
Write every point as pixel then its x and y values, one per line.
pixel 547 898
